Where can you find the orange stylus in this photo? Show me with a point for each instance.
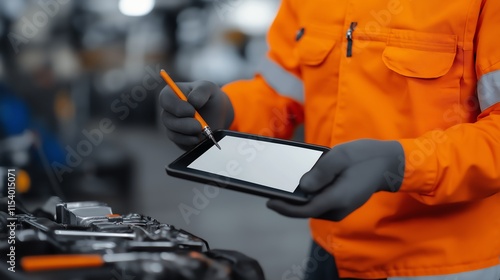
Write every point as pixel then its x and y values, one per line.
pixel 204 126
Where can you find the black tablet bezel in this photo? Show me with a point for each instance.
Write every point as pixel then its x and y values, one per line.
pixel 179 168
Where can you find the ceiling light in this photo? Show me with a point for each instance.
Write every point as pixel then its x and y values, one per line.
pixel 136 8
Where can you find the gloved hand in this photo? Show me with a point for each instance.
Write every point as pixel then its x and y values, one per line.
pixel 345 178
pixel 178 116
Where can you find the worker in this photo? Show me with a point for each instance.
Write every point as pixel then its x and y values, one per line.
pixel 407 94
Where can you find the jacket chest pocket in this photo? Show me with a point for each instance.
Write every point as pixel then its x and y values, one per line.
pixel 316 56
pixel 426 73
pixel 313 46
pixel 420 55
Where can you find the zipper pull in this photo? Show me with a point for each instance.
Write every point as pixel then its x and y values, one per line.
pixel 299 34
pixel 351 29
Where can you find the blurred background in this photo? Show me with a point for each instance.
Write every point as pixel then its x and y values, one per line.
pixel 79 116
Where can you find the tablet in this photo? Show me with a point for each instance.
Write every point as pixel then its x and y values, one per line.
pixel 249 163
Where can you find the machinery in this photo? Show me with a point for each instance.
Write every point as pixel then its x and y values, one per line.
pixel 86 240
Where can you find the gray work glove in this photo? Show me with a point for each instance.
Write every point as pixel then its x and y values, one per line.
pixel 345 178
pixel 178 116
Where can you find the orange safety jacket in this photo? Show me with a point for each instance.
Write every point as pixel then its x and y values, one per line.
pixel 425 73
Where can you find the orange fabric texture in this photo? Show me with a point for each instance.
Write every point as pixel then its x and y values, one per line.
pixel 412 77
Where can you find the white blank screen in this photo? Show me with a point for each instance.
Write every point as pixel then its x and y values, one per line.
pixel 269 164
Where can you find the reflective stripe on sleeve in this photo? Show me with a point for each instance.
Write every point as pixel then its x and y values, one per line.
pixel 491 273
pixel 488 90
pixel 282 81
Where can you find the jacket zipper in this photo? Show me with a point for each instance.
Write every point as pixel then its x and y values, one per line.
pixel 351 29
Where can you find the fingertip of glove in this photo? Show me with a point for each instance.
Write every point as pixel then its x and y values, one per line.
pixel 270 203
pixel 308 183
pixel 275 204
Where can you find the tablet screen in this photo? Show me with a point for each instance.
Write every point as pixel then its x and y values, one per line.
pixel 260 162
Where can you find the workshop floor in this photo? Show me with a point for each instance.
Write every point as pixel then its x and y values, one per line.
pixel 229 220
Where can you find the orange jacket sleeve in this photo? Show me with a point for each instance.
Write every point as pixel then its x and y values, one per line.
pixel 260 107
pixel 462 163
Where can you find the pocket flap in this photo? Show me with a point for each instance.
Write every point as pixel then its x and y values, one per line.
pixel 313 48
pixel 420 55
